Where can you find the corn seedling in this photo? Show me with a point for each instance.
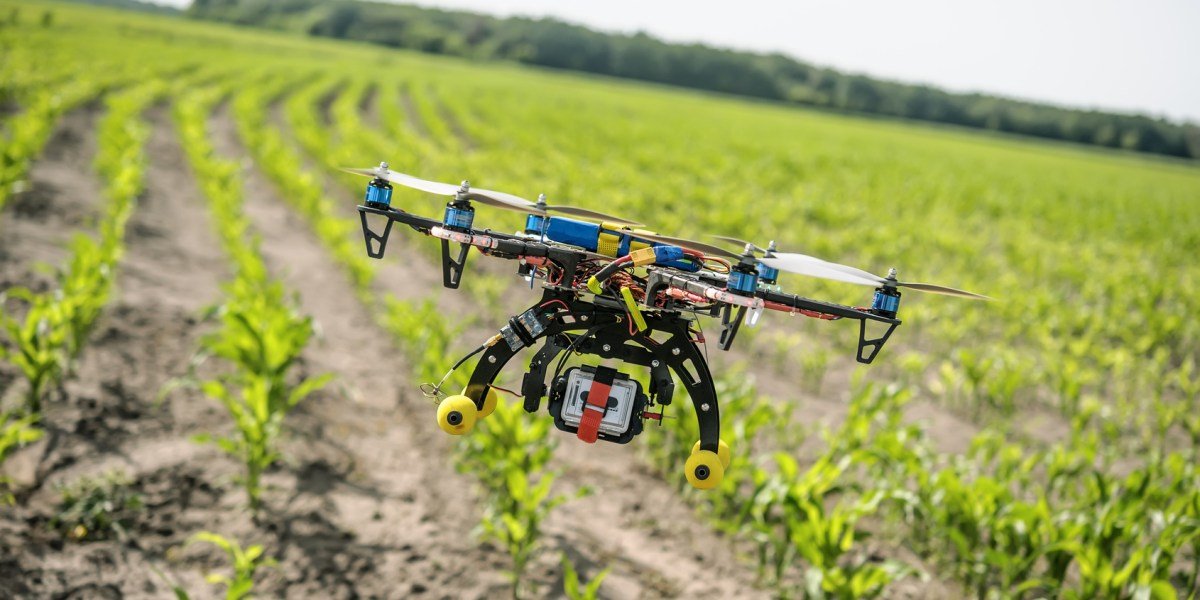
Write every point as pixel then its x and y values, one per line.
pixel 577 590
pixel 261 334
pixel 15 432
pixel 245 563
pixel 509 452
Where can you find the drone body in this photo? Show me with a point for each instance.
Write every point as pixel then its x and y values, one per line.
pixel 620 294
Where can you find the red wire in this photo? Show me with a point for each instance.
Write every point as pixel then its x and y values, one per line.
pixel 496 387
pixel 808 313
pixel 549 302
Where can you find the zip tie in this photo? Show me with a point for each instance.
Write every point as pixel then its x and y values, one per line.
pixel 634 313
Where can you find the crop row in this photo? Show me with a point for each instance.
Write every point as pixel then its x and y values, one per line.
pixel 510 450
pixel 53 326
pixel 261 332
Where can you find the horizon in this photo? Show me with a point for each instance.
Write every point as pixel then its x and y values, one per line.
pixel 1056 61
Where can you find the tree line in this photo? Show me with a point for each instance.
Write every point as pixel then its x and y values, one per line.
pixel 556 44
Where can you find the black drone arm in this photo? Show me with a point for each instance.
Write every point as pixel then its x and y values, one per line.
pixel 731 317
pixel 868 347
pixel 500 245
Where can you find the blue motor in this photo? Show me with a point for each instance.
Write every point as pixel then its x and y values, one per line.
pixel 379 194
pixel 743 280
pixel 886 302
pixel 459 216
pixel 767 275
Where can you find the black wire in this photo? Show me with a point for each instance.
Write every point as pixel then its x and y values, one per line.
pixel 567 353
pixel 464 359
pixel 701 328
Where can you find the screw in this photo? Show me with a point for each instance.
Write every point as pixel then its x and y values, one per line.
pixel 583 318
pixel 675 351
pixel 655 364
pixel 492 359
pixel 704 407
pixel 892 273
pixel 606 347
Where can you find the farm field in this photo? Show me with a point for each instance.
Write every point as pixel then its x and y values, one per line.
pixel 202 374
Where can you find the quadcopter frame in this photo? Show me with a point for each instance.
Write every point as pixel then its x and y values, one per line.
pixel 595 320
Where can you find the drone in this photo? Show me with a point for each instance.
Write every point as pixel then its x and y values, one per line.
pixel 614 292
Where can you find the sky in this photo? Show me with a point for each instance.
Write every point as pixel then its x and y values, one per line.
pixel 1128 55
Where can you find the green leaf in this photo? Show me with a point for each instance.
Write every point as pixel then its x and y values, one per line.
pixel 307 387
pixel 1162 590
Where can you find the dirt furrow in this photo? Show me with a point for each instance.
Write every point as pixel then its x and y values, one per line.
pixel 410 112
pixel 111 419
pixel 61 197
pixel 369 468
pixel 465 141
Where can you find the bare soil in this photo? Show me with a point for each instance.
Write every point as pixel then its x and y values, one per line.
pixel 58 197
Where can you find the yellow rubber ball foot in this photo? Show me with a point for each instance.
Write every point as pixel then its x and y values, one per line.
pixel 489 402
pixel 704 470
pixel 723 452
pixel 456 415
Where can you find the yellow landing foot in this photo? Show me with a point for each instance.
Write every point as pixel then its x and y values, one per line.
pixel 456 415
pixel 704 470
pixel 723 452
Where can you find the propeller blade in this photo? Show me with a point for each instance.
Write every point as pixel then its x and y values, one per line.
pixel 683 243
pixel 490 197
pixel 408 181
pixel 855 272
pixel 808 265
pixel 802 264
pixel 941 289
pixel 363 172
pixel 737 242
pixel 503 200
pixel 836 266
pixel 586 213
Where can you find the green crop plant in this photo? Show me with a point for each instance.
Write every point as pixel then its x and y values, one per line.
pixel 744 417
pixel 95 508
pixel 245 562
pixel 15 431
pixel 423 333
pixel 36 344
pixel 581 590
pixel 509 453
pixel 23 138
pixel 302 189
pixel 823 538
pixel 260 334
pixel 56 323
